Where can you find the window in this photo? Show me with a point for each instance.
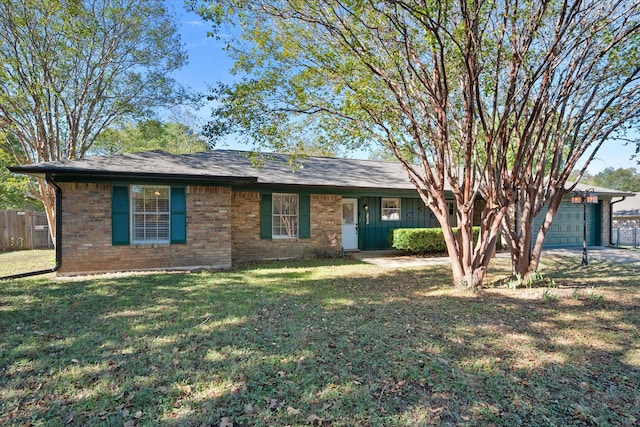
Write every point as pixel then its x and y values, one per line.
pixel 285 209
pixel 149 214
pixel 285 216
pixel 390 209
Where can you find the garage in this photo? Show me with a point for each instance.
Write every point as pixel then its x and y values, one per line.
pixel 567 227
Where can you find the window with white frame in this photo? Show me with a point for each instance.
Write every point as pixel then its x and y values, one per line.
pixel 285 216
pixel 150 214
pixel 390 210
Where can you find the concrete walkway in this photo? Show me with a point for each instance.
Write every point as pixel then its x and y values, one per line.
pixel 394 259
pixel 625 256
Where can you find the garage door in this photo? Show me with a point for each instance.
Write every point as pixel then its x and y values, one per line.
pixel 567 226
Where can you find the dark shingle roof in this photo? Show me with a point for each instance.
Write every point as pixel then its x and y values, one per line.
pixel 237 167
pixel 232 165
pixel 630 207
pixel 601 191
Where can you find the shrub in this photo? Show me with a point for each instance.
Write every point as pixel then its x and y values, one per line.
pixel 422 240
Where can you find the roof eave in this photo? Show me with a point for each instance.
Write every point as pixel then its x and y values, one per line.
pixel 72 175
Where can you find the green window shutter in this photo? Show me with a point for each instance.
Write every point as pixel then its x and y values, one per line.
pixel 305 216
pixel 265 216
pixel 119 215
pixel 178 215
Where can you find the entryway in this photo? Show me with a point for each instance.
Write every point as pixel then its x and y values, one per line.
pixel 349 224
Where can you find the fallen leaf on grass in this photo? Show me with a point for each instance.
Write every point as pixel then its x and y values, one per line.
pixel 293 411
pixel 138 415
pixel 112 365
pixel 273 404
pixel 313 419
pixel 226 422
pixel 249 409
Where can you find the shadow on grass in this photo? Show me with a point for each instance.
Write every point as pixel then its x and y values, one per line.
pixel 287 344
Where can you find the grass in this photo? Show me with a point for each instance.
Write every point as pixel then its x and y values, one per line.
pixel 24 261
pixel 332 343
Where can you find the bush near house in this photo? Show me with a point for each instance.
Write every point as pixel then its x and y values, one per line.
pixel 422 240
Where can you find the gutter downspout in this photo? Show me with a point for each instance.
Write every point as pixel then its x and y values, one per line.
pixel 611 219
pixel 58 244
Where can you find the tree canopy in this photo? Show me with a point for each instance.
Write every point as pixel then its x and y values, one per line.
pixel 69 69
pixel 15 190
pixel 173 137
pixel 493 99
pixel 624 179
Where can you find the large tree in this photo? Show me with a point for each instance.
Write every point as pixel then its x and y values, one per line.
pixel 492 99
pixel 68 69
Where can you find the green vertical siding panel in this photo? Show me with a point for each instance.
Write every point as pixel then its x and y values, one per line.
pixel 178 215
pixel 305 216
pixel 119 215
pixel 265 216
pixel 375 234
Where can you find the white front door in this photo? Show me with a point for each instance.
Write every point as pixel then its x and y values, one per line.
pixel 349 224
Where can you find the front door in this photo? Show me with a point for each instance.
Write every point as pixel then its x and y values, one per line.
pixel 349 224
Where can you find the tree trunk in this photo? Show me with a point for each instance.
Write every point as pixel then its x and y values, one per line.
pixel 554 205
pixel 48 197
pixel 469 262
pixel 525 253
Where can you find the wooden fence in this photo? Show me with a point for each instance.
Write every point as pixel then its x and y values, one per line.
pixel 24 230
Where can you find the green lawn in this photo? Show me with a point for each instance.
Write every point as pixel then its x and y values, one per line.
pixel 332 343
pixel 16 262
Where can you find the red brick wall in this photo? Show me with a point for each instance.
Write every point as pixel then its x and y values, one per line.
pixel 326 223
pixel 86 233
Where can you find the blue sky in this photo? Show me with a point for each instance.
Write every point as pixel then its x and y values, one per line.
pixel 209 64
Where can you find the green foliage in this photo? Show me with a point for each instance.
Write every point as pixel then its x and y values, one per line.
pixel 70 69
pixel 147 135
pixel 422 240
pixel 386 154
pixel 591 296
pixel 548 296
pixel 624 179
pixel 89 63
pixel 15 189
pixel 532 280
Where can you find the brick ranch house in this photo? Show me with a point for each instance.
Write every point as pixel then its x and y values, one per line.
pixel 155 210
